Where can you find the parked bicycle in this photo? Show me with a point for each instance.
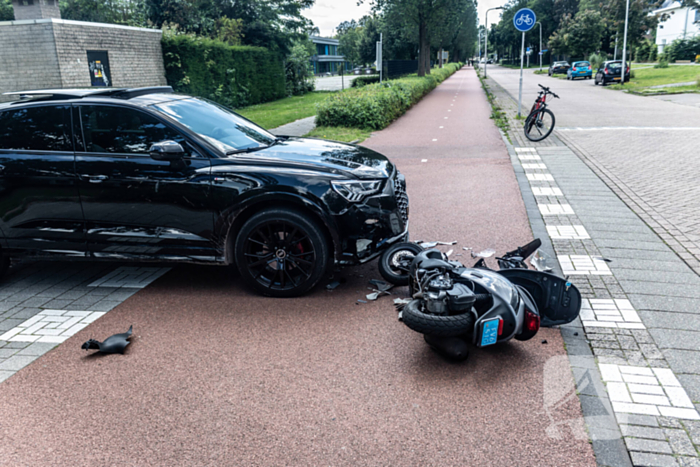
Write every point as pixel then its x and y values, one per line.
pixel 540 122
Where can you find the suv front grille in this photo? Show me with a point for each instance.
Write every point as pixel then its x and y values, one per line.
pixel 401 196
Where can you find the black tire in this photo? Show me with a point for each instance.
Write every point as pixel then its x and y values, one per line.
pixel 281 253
pixel 388 262
pixel 535 132
pixel 440 326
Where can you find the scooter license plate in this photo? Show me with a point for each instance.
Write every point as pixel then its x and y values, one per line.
pixel 489 332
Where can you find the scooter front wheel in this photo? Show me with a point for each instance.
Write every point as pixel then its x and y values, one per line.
pixel 540 125
pixel 392 263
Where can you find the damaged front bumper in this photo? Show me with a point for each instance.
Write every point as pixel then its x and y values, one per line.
pixel 368 228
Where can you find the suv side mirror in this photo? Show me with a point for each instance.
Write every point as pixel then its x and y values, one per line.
pixel 166 151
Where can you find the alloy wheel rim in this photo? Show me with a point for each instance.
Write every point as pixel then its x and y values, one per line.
pixel 279 255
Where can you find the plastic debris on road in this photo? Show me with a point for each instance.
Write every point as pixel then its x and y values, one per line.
pixel 487 253
pixel 380 288
pixel 434 244
pixel 539 261
pixel 113 344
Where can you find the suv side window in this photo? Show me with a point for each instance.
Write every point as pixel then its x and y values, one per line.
pixel 43 128
pixel 121 130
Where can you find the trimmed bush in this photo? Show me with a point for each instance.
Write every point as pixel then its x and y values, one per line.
pixel 375 106
pixel 234 76
pixel 364 81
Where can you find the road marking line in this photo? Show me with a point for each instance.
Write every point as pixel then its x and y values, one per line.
pixel 616 128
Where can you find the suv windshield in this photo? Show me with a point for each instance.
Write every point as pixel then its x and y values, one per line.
pixel 218 125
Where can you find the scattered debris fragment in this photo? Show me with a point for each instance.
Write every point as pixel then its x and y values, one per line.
pixel 576 334
pixel 487 253
pixel 467 248
pixel 332 285
pixel 380 288
pixel 360 301
pixel 539 261
pixel 544 341
pixel 449 253
pixel 603 259
pixel 434 244
pixel 401 301
pixel 113 344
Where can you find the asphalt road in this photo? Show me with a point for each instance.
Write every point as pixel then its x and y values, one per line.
pixel 218 376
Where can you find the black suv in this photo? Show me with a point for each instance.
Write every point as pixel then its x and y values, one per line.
pixel 145 174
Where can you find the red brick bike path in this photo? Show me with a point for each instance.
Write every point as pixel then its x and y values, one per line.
pixel 218 376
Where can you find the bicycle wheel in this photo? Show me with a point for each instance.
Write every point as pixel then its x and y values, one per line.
pixel 540 125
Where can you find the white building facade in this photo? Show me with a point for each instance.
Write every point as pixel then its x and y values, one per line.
pixel 680 23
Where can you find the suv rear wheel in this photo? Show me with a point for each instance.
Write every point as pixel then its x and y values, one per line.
pixel 281 253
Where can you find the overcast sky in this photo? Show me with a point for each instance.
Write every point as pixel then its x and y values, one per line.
pixel 327 14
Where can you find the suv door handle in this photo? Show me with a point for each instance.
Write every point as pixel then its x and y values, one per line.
pixel 95 178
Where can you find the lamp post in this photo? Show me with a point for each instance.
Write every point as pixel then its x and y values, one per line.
pixel 624 44
pixel 540 51
pixel 486 43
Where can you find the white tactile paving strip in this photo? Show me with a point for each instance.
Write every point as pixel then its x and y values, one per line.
pixel 583 265
pixel 526 150
pixel 647 391
pixel 529 157
pixel 555 209
pixel 567 232
pixel 532 166
pixel 130 277
pixel 608 313
pixel 539 177
pixel 52 326
pixel 546 191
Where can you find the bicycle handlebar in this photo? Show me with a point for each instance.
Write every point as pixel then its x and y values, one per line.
pixel 547 91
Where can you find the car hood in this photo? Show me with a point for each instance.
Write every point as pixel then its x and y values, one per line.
pixel 321 155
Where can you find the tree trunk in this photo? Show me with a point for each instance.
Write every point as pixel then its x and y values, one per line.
pixel 440 57
pixel 427 55
pixel 422 39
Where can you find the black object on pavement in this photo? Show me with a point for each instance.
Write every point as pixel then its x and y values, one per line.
pixel 113 344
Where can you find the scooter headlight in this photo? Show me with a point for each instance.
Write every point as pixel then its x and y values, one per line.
pixel 356 190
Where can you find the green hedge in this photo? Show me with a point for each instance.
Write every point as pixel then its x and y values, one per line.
pixel 364 81
pixel 375 106
pixel 233 76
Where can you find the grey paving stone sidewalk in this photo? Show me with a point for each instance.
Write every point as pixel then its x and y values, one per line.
pixel 640 323
pixel 635 351
pixel 297 128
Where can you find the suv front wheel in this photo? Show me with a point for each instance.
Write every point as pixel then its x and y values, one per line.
pixel 281 253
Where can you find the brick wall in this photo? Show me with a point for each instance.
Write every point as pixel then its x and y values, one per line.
pixel 51 53
pixel 37 10
pixel 28 57
pixel 135 55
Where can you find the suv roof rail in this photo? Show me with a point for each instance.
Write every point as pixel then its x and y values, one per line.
pixel 120 93
pixel 135 92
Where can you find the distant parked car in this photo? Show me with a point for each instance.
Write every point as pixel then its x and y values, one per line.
pixel 580 70
pixel 611 71
pixel 558 68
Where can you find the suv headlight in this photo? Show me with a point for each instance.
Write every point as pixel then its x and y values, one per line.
pixel 355 190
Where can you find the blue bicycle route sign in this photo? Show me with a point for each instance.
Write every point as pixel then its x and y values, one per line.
pixel 524 19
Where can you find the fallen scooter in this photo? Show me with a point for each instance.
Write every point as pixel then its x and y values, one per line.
pixel 454 306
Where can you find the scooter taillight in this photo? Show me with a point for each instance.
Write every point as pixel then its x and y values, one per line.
pixel 532 321
pixel 500 326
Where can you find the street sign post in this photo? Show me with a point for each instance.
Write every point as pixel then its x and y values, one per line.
pixel 524 20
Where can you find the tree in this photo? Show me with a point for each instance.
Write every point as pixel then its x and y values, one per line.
pixel 580 35
pixel 426 18
pixel 6 12
pixel 128 12
pixel 229 30
pixel 299 74
pixel 348 34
